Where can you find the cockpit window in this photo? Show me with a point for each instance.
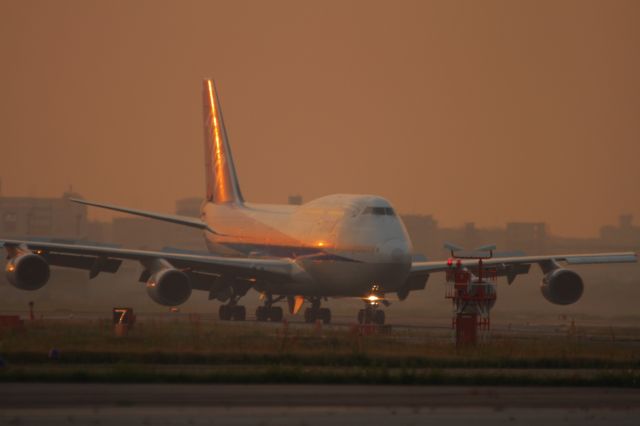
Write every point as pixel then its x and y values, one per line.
pixel 379 211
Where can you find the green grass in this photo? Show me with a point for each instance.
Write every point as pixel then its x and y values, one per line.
pixel 131 373
pixel 170 351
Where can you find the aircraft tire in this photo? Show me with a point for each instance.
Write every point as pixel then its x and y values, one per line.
pixel 325 315
pixel 310 315
pixel 275 314
pixel 262 313
pixel 239 313
pixel 367 316
pixel 224 312
pixel 378 317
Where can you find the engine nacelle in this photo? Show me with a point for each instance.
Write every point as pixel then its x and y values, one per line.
pixel 28 272
pixel 562 287
pixel 169 287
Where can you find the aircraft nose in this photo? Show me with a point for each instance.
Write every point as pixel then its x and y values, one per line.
pixel 397 251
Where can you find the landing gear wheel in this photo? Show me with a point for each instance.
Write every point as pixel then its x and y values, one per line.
pixel 325 315
pixel 232 312
pixel 265 313
pixel 371 316
pixel 224 312
pixel 365 316
pixel 378 317
pixel 275 314
pixel 310 315
pixel 262 313
pixel 239 313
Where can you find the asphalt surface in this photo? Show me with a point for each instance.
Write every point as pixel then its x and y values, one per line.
pixel 38 395
pixel 123 404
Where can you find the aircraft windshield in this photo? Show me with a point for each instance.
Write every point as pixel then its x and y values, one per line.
pixel 379 211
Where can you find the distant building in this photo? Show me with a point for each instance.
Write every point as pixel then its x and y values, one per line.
pixel 528 236
pixel 470 237
pixel 625 234
pixel 423 230
pixel 23 217
pixel 43 217
pixel 295 200
pixel 189 206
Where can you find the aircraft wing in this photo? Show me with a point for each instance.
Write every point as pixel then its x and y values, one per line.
pixel 192 222
pixel 515 265
pixel 96 259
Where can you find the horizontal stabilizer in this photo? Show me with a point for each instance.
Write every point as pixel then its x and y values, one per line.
pixel 179 220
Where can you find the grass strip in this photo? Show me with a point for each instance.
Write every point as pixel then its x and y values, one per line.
pixel 326 359
pixel 297 375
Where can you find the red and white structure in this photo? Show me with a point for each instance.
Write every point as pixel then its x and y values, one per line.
pixel 473 293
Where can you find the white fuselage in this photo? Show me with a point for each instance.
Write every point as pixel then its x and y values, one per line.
pixel 345 243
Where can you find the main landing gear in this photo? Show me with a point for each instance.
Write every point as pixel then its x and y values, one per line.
pixel 315 312
pixel 268 312
pixel 232 311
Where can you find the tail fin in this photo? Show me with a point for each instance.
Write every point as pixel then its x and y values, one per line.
pixel 220 173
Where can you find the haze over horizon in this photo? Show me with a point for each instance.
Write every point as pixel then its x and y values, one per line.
pixel 488 112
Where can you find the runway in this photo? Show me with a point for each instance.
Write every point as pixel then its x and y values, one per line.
pixel 23 403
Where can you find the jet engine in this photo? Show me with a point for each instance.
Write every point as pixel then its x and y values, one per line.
pixel 28 271
pixel 562 287
pixel 169 287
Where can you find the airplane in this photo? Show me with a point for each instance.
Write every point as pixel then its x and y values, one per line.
pixel 338 245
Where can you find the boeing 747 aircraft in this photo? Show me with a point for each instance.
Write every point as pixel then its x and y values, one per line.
pixel 335 246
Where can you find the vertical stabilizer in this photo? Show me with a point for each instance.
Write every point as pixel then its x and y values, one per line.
pixel 220 173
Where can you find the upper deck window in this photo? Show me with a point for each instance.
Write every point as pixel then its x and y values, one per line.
pixel 379 211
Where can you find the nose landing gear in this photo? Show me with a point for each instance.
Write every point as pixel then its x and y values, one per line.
pixel 372 314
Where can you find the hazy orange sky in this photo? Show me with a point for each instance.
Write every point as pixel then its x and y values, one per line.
pixel 485 111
